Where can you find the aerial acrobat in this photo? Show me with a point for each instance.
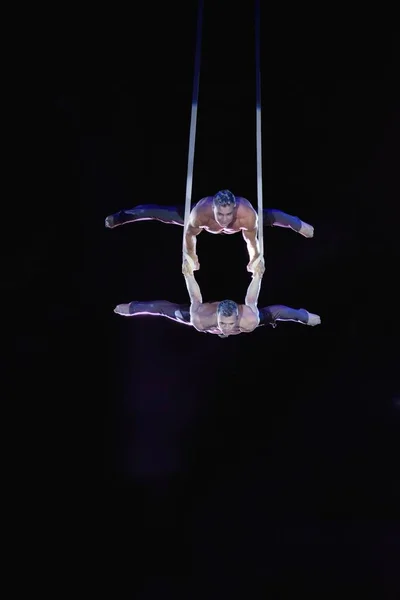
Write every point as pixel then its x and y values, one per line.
pixel 223 318
pixel 222 213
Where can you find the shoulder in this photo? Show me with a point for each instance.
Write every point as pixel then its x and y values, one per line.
pixel 201 211
pixel 249 320
pixel 203 316
pixel 195 318
pixel 246 214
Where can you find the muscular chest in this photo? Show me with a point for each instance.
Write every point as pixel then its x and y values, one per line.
pixel 215 228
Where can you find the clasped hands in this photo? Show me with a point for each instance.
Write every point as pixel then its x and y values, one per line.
pixel 190 263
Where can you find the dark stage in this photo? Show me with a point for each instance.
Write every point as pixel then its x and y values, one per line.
pixel 262 465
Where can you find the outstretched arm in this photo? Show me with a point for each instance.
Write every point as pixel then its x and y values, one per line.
pixel 193 290
pixel 250 318
pixel 192 286
pixel 253 291
pixel 189 238
pixel 250 236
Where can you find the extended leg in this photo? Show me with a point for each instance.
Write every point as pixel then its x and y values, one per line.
pixel 278 312
pixel 172 215
pixel 277 218
pixel 157 308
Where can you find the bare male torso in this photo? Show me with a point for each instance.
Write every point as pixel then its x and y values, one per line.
pixel 204 319
pixel 244 216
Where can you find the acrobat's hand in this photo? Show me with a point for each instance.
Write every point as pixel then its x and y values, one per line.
pixel 190 263
pixel 257 266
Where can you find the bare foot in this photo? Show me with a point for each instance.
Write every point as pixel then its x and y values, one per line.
pixel 306 230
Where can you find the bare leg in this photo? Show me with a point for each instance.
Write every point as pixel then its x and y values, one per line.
pixel 157 308
pixel 278 312
pixel 172 215
pixel 277 218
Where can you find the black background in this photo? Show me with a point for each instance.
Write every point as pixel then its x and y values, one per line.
pixel 196 466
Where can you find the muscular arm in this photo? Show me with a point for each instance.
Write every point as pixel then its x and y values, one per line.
pixel 250 235
pixel 253 291
pixel 192 231
pixel 250 316
pixel 253 246
pixel 196 299
pixel 196 304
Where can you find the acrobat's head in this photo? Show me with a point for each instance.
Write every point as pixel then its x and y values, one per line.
pixel 224 205
pixel 227 317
